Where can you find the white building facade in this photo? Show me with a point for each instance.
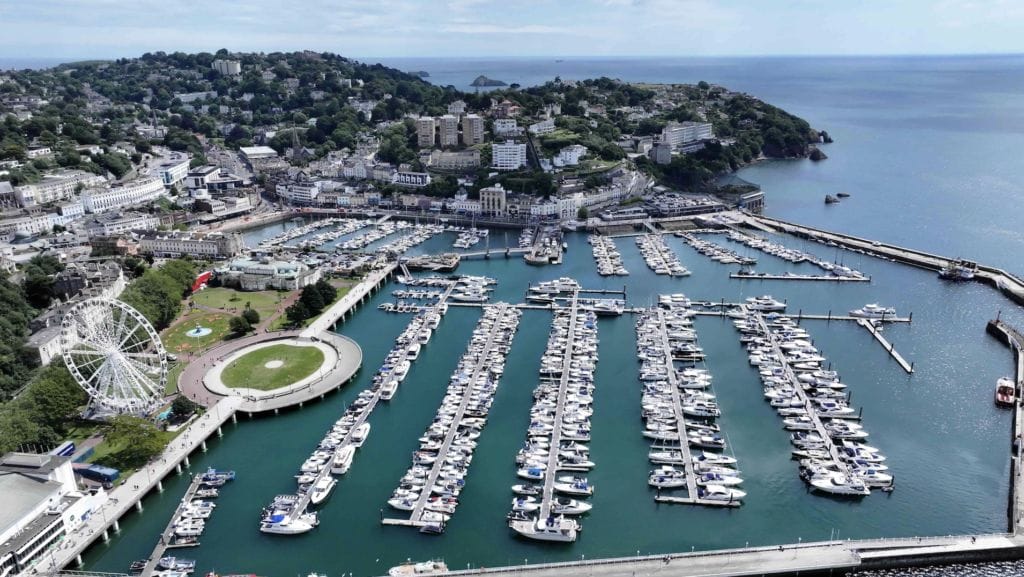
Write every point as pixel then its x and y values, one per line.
pixel 508 155
pixel 130 193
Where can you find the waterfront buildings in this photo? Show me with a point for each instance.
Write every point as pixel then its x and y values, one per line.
pixel 96 200
pixel 494 200
pixel 204 179
pixel 173 244
pixel 42 505
pixel 112 223
pixel 263 274
pixel 508 155
pixel 173 169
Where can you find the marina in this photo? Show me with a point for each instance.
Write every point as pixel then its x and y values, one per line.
pixel 609 261
pixel 876 332
pixel 659 257
pixel 793 255
pixel 430 488
pixel 751 275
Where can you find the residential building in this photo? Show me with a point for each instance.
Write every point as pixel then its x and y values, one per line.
pixel 219 208
pixel 543 127
pixel 175 244
pixel 506 109
pixel 56 187
pixel 67 212
pixel 448 130
pixel 425 132
pixel 256 153
pixel 506 127
pixel 473 129
pixel 661 153
pixel 43 506
pixel 383 172
pixel 28 225
pixel 458 107
pixel 460 160
pixel 90 279
pixel 227 67
pixel 570 155
pixel 411 179
pixel 675 134
pixel 494 200
pixel 302 192
pixel 257 275
pixel 187 97
pixel 112 223
pixel 38 152
pixel 138 191
pixel 208 178
pixel 464 205
pixel 7 197
pixel 173 169
pixel 508 155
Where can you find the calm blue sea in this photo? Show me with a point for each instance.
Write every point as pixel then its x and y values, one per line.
pixel 928 147
pixel 15 63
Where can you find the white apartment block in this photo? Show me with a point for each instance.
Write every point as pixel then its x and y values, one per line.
pixel 227 67
pixel 173 169
pixel 448 130
pixel 121 195
pixel 186 97
pixel 177 243
pixel 425 132
pixel 411 179
pixel 494 200
pixel 67 212
pixel 300 192
pixel 455 160
pixel 111 224
pixel 458 107
pixel 543 127
pixel 56 187
pixel 676 134
pixel 570 155
pixel 473 129
pixel 27 225
pixel 505 127
pixel 508 155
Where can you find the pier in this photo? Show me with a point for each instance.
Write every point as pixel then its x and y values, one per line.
pixel 551 472
pixel 356 296
pixel 167 536
pixel 803 277
pixel 507 252
pixel 1010 285
pixel 482 365
pixel 889 348
pixel 692 497
pixel 798 388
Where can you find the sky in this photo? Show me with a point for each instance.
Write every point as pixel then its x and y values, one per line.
pixel 77 29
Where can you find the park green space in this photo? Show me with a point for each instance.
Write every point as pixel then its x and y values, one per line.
pixel 177 341
pixel 250 371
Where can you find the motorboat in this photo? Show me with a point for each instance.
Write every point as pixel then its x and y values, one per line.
pixel 564 506
pixel 667 477
pixel 874 311
pixel 176 564
pixel 411 569
pixel 559 529
pixel 1006 392
pixel 359 435
pixel 283 524
pixel 720 493
pixel 322 489
pixel 765 303
pixel 839 484
pixel 343 460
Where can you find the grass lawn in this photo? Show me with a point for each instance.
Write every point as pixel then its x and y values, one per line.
pixel 250 371
pixel 176 341
pixel 264 302
pixel 172 377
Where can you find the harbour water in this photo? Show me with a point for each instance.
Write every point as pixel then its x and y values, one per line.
pixel 946 443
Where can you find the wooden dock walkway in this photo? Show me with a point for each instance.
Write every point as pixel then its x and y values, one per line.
pixel 551 472
pixel 482 365
pixel 692 497
pixel 168 534
pixel 803 277
pixel 889 348
pixel 798 388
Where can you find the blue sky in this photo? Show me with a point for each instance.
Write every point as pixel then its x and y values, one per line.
pixel 402 28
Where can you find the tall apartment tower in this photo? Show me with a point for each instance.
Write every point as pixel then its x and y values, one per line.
pixel 472 129
pixel 425 132
pixel 448 130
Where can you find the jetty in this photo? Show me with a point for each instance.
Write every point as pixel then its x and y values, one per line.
pixel 356 296
pixel 168 539
pixel 507 252
pixel 889 348
pixel 802 277
pixel 692 497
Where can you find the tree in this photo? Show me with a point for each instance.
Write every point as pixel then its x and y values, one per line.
pixel 313 299
pixel 138 440
pixel 252 316
pixel 239 325
pixel 182 407
pixel 297 313
pixel 327 291
pixel 582 213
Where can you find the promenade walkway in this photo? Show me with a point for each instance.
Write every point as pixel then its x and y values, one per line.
pixel 124 497
pixel 345 304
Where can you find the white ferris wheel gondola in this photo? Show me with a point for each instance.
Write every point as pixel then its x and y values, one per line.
pixel 115 355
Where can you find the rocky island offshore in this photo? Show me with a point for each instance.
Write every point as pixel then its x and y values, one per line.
pixel 483 81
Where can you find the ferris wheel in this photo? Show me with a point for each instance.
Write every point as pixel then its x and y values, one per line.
pixel 114 354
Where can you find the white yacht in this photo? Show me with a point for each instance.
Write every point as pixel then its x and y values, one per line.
pixel 720 493
pixel 765 303
pixel 874 311
pixel 410 569
pixel 343 460
pixel 839 484
pixel 359 434
pixel 283 524
pixel 322 489
pixel 558 529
